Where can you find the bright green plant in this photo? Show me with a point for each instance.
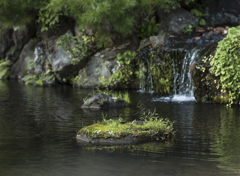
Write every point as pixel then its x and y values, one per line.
pixel 49 17
pixel 148 28
pixel 30 79
pixel 4 69
pixel 199 15
pixel 125 74
pixel 126 58
pixel 77 47
pixel 188 29
pixel 226 64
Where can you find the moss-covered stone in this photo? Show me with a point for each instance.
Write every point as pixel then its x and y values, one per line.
pixel 118 132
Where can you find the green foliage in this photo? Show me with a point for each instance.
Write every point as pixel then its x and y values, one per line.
pixel 158 69
pixel 39 79
pixel 126 58
pixel 18 12
pixel 30 79
pixel 76 46
pixel 119 15
pixel 226 64
pixel 49 17
pixel 148 28
pixel 4 69
pixel 188 29
pixel 125 74
pixel 39 82
pixel 30 65
pixel 199 15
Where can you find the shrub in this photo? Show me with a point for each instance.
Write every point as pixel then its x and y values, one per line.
pixel 226 64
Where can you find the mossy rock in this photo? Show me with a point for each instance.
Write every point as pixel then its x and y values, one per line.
pixel 101 101
pixel 114 132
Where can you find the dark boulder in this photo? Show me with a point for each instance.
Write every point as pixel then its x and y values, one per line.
pixel 205 84
pixel 222 12
pixel 176 21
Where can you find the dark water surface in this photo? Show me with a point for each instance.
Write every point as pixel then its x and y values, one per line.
pixel 38 126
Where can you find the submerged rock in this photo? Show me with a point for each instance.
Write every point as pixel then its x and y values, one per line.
pixel 103 101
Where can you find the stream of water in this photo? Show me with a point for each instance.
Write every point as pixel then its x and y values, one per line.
pixel 38 126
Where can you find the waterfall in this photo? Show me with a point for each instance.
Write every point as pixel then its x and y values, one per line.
pixel 185 90
pixel 178 56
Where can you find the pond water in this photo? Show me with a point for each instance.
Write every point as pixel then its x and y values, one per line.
pixel 38 126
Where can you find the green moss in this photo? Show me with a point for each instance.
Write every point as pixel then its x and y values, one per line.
pixel 117 129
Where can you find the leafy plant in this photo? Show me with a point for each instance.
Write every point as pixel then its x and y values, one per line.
pixel 125 74
pixel 4 69
pixel 30 65
pixel 126 58
pixel 148 28
pixel 199 15
pixel 77 47
pixel 226 64
pixel 119 16
pixel 30 79
pixel 188 29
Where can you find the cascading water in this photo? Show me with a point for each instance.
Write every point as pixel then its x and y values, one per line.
pixel 185 90
pixel 193 49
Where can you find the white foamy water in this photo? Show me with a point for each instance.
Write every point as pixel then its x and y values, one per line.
pixel 175 98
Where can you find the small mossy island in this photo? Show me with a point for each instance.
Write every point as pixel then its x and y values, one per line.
pixel 113 132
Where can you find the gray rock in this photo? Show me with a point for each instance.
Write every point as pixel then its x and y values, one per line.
pixel 154 41
pixel 175 21
pixel 21 37
pixel 102 64
pixel 19 69
pixel 103 101
pixel 6 42
pixel 62 66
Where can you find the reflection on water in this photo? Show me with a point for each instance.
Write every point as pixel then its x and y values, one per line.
pixel 226 141
pixel 38 126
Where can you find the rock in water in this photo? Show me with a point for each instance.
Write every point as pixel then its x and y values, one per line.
pixel 103 101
